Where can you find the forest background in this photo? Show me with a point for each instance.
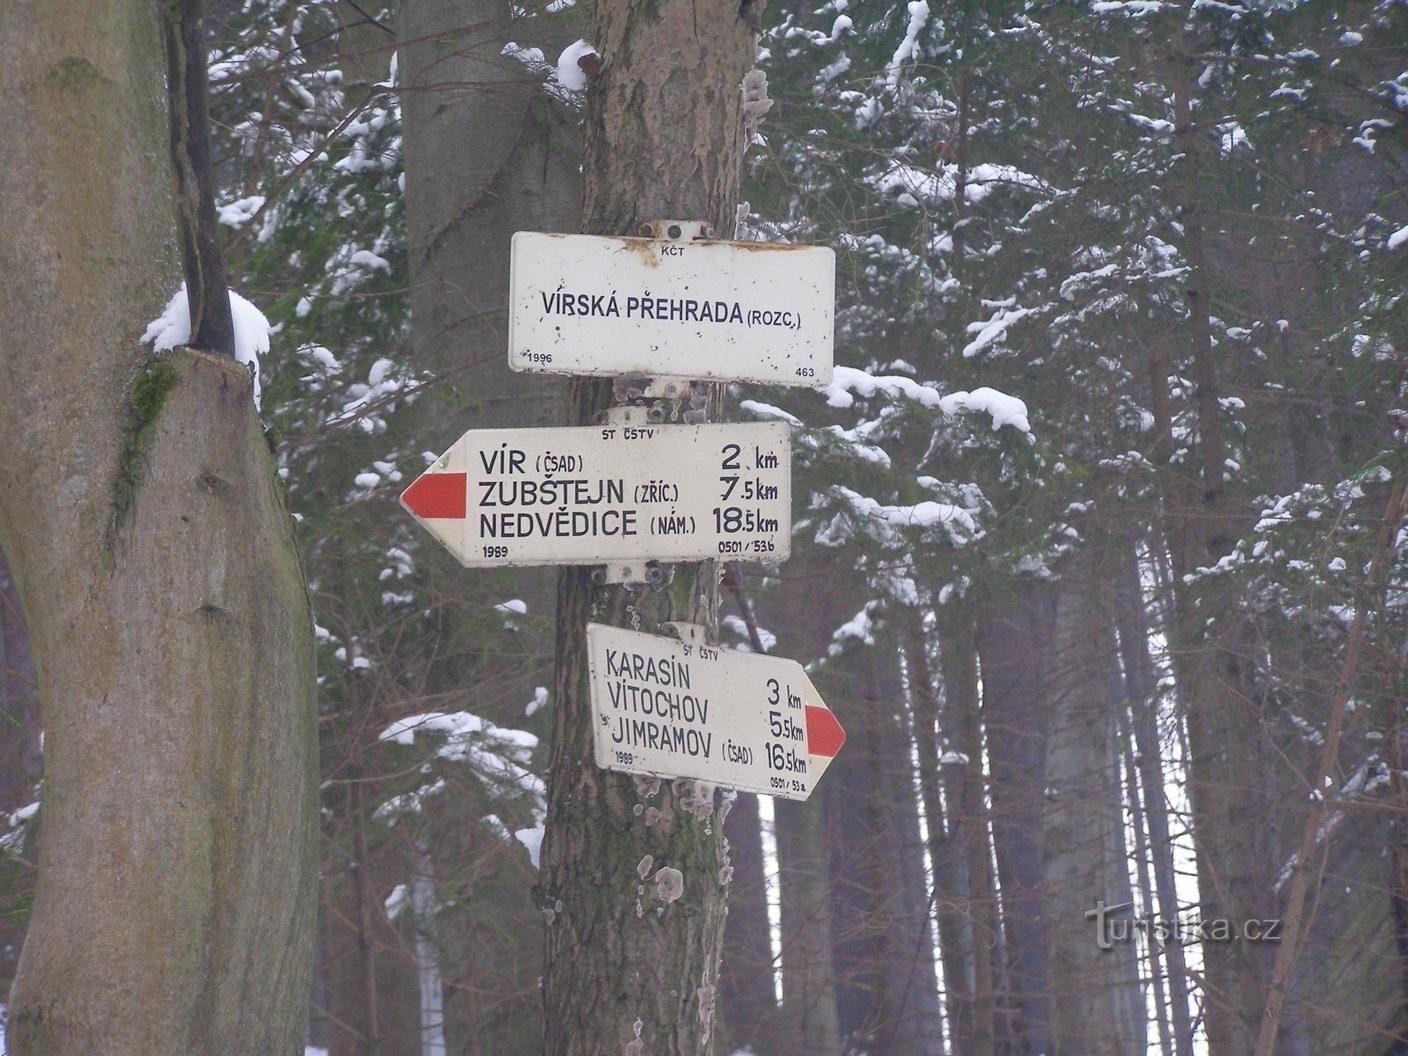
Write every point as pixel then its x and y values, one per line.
pixel 1142 646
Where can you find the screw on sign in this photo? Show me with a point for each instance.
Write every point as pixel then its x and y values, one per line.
pixel 684 709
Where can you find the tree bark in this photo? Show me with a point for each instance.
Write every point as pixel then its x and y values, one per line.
pixel 488 153
pixel 1095 1000
pixel 1214 661
pixel 887 993
pixel 1010 638
pixel 664 140
pixel 808 969
pixel 1132 623
pixel 749 1002
pixel 188 122
pixel 940 782
pixel 747 975
pixel 958 654
pixel 157 570
pixel 804 619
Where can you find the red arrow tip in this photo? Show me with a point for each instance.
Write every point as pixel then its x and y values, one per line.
pixel 824 733
pixel 437 495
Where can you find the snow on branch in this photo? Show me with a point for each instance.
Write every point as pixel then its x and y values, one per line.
pixel 908 50
pixel 494 753
pixel 992 330
pixel 1002 408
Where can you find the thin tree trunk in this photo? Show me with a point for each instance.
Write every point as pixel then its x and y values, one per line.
pixel 1133 626
pixel 432 994
pixel 360 868
pixel 746 980
pixel 1214 661
pixel 1096 1004
pixel 808 970
pixel 1010 639
pixel 804 620
pixel 188 120
pixel 912 1021
pixel 938 782
pixel 1395 708
pixel 858 846
pixel 1158 976
pixel 372 989
pixel 959 655
pixel 1312 833
pixel 887 991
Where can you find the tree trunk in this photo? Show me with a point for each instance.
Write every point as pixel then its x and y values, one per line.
pixel 808 971
pixel 854 841
pixel 628 967
pixel 432 994
pixel 960 673
pixel 160 584
pixel 371 982
pixel 746 984
pixel 887 993
pixel 941 781
pixel 1132 623
pixel 1095 1000
pixel 747 975
pixel 804 620
pixel 488 153
pixel 1214 658
pixel 1158 975
pixel 1011 639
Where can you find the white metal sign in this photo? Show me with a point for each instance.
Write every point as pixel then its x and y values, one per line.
pixel 732 311
pixel 612 493
pixel 676 709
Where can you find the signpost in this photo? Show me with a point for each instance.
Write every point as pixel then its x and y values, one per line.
pixel 682 709
pixel 624 491
pixel 726 311
pixel 670 309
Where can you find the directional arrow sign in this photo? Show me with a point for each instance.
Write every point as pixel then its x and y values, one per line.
pixel 672 709
pixel 735 311
pixel 614 493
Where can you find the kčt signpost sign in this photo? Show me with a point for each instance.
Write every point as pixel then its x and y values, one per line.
pixel 728 311
pixel 614 493
pixel 682 709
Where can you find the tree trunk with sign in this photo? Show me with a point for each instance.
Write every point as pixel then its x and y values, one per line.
pixel 155 563
pixel 630 967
